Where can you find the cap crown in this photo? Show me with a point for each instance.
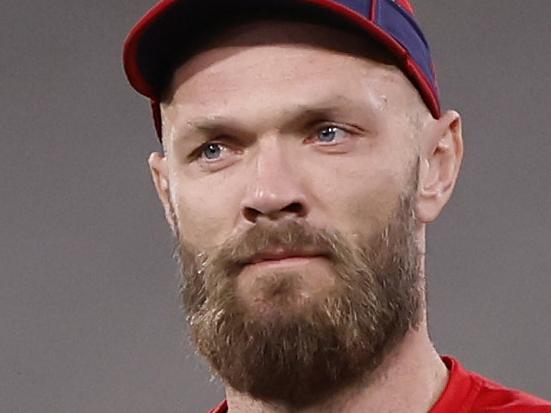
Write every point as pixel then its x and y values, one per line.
pixel 406 5
pixel 359 5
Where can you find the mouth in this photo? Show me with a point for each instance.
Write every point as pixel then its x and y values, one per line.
pixel 282 256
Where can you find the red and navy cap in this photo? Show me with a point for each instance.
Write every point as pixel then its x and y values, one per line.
pixel 153 46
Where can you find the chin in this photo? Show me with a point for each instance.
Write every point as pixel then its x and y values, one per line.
pixel 282 295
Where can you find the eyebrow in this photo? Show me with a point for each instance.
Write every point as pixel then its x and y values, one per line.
pixel 337 105
pixel 196 129
pixel 207 124
pixel 292 116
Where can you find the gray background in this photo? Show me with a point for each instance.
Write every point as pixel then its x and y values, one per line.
pixel 89 316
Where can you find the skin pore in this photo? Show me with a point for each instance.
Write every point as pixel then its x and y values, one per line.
pixel 278 122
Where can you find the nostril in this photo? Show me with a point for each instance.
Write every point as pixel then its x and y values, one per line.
pixel 295 208
pixel 251 214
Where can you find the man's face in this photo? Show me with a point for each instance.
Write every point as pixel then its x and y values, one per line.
pixel 292 167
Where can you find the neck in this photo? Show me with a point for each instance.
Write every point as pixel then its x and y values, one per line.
pixel 410 379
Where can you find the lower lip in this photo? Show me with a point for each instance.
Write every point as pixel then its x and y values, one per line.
pixel 284 262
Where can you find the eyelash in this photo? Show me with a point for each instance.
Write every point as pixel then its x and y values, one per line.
pixel 197 153
pixel 327 126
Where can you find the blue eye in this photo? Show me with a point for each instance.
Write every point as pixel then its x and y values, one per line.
pixel 212 151
pixel 330 134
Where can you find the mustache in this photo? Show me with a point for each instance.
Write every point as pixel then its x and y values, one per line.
pixel 292 236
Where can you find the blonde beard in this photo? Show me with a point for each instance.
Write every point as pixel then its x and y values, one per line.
pixel 301 357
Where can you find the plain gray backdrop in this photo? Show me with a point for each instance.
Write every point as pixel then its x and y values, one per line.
pixel 89 314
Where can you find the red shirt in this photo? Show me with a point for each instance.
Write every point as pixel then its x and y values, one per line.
pixel 468 392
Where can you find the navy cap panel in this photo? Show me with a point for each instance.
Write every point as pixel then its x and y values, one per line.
pixel 362 7
pixel 394 20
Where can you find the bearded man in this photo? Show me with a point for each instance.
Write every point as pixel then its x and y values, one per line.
pixel 304 153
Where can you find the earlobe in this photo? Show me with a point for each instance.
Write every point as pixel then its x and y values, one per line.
pixel 159 173
pixel 442 153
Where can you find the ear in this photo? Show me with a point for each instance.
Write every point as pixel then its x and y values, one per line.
pixel 158 166
pixel 441 156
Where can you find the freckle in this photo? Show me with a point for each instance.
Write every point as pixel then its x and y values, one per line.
pixel 382 102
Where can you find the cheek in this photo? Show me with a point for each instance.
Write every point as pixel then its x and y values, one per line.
pixel 357 200
pixel 205 212
pixel 370 206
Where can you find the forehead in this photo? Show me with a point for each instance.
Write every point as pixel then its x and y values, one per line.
pixel 267 61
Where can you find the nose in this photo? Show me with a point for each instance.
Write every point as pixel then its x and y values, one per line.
pixel 274 190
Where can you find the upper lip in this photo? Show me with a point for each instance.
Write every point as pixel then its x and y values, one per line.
pixel 280 254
